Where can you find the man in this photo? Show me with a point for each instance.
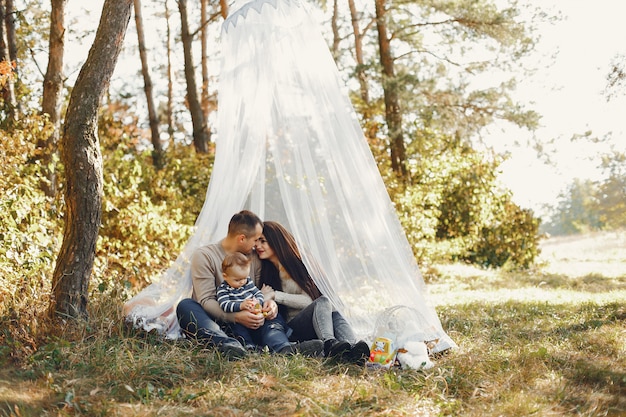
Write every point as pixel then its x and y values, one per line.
pixel 199 315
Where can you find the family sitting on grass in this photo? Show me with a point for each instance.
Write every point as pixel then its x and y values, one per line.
pixel 244 300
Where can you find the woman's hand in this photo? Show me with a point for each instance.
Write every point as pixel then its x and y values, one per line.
pixel 270 309
pixel 268 292
pixel 249 319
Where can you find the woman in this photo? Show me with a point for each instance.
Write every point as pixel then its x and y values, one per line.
pixel 286 280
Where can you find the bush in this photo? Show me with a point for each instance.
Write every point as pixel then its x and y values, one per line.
pixel 31 222
pixel 456 211
pixel 148 215
pixel 418 211
pixel 513 240
pixel 147 218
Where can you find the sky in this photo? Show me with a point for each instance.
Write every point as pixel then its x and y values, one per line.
pixel 569 95
pixel 567 90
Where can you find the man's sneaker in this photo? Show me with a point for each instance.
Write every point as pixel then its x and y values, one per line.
pixel 359 353
pixel 312 348
pixel 335 348
pixel 232 351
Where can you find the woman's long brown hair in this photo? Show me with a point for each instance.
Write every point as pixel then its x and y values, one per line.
pixel 284 246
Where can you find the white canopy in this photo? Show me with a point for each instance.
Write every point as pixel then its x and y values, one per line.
pixel 290 149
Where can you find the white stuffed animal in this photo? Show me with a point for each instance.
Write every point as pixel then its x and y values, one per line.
pixel 414 355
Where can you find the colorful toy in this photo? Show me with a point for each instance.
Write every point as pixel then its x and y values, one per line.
pixel 382 353
pixel 253 305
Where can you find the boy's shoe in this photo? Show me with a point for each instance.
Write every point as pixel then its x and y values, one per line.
pixel 232 351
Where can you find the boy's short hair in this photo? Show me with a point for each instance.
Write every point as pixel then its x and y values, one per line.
pixel 245 223
pixel 235 259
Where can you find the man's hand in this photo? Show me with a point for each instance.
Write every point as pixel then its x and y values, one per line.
pixel 249 319
pixel 270 309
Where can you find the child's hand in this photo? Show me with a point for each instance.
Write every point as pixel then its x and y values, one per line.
pixel 249 304
pixel 257 307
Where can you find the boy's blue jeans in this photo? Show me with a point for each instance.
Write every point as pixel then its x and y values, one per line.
pixel 197 324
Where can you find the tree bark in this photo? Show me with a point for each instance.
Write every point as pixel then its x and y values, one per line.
pixel 51 101
pixel 9 21
pixel 170 81
pixel 204 34
pixel 8 90
pixel 393 113
pixel 358 52
pixel 12 45
pixel 200 135
pixel 224 8
pixel 157 151
pixel 371 125
pixel 83 165
pixel 335 27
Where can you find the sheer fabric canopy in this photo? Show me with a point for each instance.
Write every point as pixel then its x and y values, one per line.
pixel 290 149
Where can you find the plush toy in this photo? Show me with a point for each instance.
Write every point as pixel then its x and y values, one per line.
pixel 414 355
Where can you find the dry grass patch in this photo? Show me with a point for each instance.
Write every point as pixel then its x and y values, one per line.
pixel 536 342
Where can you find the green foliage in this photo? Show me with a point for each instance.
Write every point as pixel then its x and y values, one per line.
pixel 513 240
pixel 590 206
pixel 139 236
pixel 576 211
pixel 184 181
pixel 468 196
pixel 418 211
pixel 436 83
pixel 611 193
pixel 147 218
pixel 31 223
pixel 455 210
pixel 616 79
pixel 147 214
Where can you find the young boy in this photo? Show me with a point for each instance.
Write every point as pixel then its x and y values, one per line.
pixel 238 293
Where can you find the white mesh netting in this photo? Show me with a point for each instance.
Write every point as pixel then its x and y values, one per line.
pixel 290 149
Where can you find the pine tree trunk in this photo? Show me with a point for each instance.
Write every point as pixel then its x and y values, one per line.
pixel 170 81
pixel 200 136
pixel 335 27
pixel 51 101
pixel 358 52
pixel 204 33
pixel 370 124
pixel 12 45
pixel 224 8
pixel 83 165
pixel 8 91
pixel 9 21
pixel 157 152
pixel 393 113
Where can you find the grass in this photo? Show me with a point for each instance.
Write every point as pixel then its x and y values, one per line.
pixel 545 342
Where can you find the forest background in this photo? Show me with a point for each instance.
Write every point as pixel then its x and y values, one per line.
pixel 424 100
